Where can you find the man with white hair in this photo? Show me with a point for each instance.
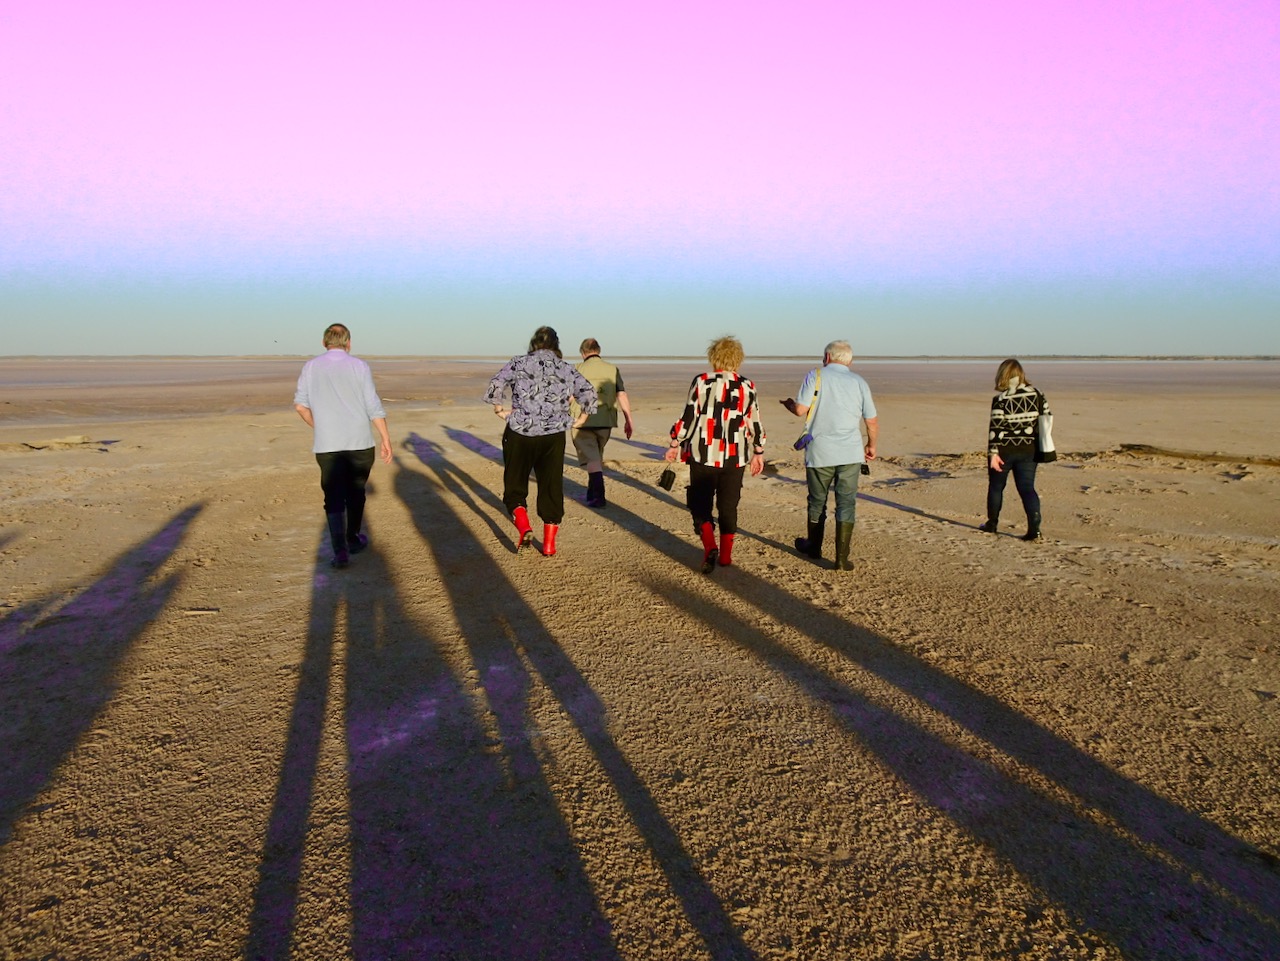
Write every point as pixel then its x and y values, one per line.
pixel 837 406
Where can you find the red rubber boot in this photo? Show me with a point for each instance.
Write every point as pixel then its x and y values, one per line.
pixel 726 549
pixel 709 552
pixel 549 532
pixel 524 530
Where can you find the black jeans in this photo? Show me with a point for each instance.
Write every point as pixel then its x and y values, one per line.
pixel 343 475
pixel 544 456
pixel 1024 478
pixel 715 487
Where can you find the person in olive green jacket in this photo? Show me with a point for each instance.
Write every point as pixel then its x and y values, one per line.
pixel 590 438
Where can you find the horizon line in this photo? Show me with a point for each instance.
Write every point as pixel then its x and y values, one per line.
pixel 803 358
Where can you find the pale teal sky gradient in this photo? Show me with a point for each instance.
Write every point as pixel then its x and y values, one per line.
pixel 1071 178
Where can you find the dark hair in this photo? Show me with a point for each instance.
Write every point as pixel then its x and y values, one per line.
pixel 544 338
pixel 589 346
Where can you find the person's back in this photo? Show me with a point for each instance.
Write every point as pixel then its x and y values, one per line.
pixel 843 401
pixel 590 438
pixel 336 398
pixel 837 406
pixel 337 388
pixel 604 377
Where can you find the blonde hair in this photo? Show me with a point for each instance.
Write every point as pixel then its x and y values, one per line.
pixel 337 335
pixel 1008 370
pixel 725 353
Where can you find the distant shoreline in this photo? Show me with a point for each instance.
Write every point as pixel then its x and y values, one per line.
pixel 681 358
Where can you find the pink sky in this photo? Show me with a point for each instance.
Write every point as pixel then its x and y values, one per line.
pixel 849 138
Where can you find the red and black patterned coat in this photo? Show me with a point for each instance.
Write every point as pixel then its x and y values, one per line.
pixel 720 426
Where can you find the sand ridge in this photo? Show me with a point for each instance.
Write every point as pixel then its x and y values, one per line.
pixel 216 746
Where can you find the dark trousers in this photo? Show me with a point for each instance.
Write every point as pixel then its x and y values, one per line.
pixel 1024 479
pixel 343 475
pixel 711 488
pixel 544 456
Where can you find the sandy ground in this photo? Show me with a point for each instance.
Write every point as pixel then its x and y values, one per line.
pixel 216 747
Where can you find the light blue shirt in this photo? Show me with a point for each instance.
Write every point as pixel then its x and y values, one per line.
pixel 338 388
pixel 844 401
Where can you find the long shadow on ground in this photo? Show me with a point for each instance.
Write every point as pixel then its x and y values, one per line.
pixel 1217 895
pixel 58 664
pixel 572 488
pixel 504 634
pixel 883 502
pixel 1162 883
pixel 452 854
pixel 276 895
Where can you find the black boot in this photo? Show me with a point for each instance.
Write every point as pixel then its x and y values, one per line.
pixel 844 537
pixel 356 542
pixel 1033 528
pixel 811 546
pixel 338 539
pixel 991 525
pixel 595 489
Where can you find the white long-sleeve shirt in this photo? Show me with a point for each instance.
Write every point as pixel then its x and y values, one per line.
pixel 338 389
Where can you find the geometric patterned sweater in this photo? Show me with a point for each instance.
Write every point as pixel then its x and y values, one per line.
pixel 1012 432
pixel 720 424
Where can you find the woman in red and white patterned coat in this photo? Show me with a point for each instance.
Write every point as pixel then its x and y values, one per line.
pixel 719 435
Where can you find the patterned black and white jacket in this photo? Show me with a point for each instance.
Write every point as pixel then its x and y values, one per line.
pixel 1014 413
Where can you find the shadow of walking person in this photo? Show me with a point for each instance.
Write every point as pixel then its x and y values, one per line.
pixel 1200 847
pixel 1156 879
pixel 457 850
pixel 916 511
pixel 503 634
pixel 429 453
pixel 471 442
pixel 276 894
pixel 58 664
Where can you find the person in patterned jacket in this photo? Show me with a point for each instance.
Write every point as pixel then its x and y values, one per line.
pixel 1016 412
pixel 719 435
pixel 540 384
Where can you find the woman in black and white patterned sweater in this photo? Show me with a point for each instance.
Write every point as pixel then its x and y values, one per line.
pixel 1016 410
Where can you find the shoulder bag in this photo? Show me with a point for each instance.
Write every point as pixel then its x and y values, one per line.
pixel 805 439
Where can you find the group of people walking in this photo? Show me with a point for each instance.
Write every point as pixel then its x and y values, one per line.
pixel 719 436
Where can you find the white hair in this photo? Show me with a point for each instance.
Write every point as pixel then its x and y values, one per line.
pixel 839 351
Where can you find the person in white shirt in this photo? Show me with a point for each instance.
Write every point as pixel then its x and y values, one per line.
pixel 337 399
